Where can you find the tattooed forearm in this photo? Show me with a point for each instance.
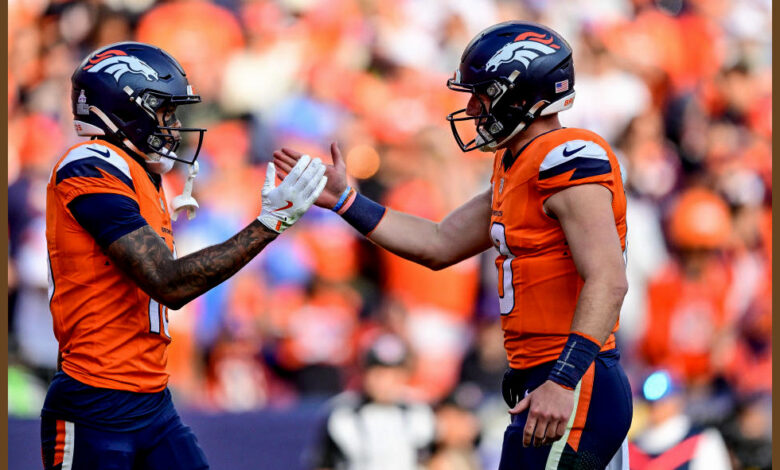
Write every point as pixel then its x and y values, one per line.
pixel 144 257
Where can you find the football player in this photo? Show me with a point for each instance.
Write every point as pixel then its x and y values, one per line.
pixel 556 213
pixel 113 270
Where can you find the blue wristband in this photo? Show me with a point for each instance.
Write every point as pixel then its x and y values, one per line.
pixel 364 214
pixel 576 357
pixel 342 199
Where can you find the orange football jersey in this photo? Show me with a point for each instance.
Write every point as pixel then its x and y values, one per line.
pixel 111 334
pixel 538 283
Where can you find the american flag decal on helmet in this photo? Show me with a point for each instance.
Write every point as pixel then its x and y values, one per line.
pixel 560 87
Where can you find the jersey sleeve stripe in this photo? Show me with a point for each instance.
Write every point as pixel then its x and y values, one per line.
pixel 89 167
pixel 584 168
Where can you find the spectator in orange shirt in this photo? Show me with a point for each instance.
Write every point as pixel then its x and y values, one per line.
pixel 687 307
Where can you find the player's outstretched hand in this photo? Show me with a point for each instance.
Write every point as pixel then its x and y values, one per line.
pixel 283 205
pixel 550 407
pixel 285 159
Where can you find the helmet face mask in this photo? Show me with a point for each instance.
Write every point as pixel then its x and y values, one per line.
pixel 119 91
pixel 488 125
pixel 166 139
pixel 524 70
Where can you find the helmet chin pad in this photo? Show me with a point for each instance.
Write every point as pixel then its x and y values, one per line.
pixel 483 144
pixel 161 166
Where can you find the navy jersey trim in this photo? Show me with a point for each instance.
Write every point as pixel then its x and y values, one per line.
pixel 88 167
pixel 584 167
pixel 106 216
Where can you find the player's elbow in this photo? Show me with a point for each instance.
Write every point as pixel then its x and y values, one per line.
pixel 169 300
pixel 175 304
pixel 620 290
pixel 168 295
pixel 613 284
pixel 165 294
pixel 445 258
pixel 437 264
pixel 623 286
pixel 438 256
pixel 175 299
pixel 439 259
pixel 617 287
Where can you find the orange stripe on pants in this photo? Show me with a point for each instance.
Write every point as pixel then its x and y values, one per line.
pixel 59 443
pixel 586 391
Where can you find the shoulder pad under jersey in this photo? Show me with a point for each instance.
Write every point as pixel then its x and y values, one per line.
pixel 87 161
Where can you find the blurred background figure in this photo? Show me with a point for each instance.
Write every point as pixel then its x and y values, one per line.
pixel 670 440
pixel 688 313
pixel 378 427
pixel 692 114
pixel 33 360
pixel 457 437
pixel 749 432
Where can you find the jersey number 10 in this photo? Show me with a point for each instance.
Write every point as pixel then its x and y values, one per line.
pixel 158 314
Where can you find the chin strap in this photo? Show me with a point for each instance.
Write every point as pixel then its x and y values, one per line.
pixel 102 116
pixel 185 201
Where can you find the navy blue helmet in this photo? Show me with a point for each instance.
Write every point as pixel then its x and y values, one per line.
pixel 519 71
pixel 117 91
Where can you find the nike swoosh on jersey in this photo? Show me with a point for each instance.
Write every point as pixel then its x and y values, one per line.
pixel 586 158
pixel 105 154
pixel 289 205
pixel 567 153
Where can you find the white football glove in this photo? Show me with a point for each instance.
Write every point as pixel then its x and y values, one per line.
pixel 283 205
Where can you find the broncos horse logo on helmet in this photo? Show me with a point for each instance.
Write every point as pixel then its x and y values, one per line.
pixel 522 50
pixel 117 63
pixel 125 103
pixel 519 71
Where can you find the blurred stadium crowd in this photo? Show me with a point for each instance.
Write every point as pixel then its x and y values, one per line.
pixel 682 89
